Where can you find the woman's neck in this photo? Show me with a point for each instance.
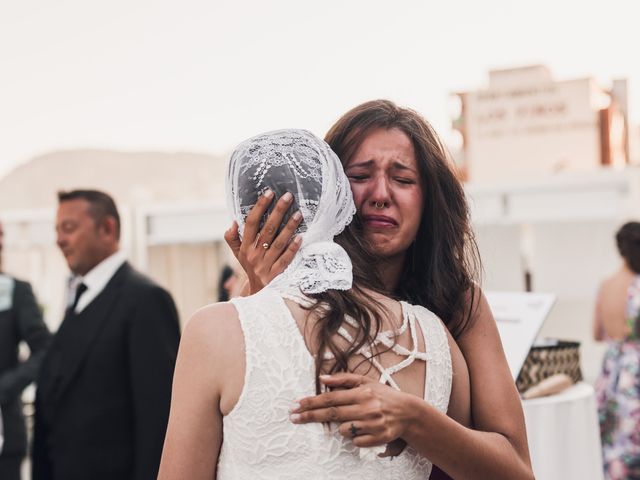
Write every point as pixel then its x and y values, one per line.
pixel 390 270
pixel 626 269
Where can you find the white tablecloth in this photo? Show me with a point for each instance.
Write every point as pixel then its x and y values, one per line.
pixel 564 435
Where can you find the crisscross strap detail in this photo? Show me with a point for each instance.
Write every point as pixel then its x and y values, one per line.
pixel 386 338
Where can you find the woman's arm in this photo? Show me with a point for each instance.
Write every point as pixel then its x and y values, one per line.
pixel 495 448
pixel 194 433
pixel 263 264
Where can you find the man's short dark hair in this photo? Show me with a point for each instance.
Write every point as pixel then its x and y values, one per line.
pixel 101 205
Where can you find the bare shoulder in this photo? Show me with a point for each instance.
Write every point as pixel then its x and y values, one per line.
pixel 609 284
pixel 213 330
pixel 212 318
pixel 620 280
pixel 481 323
pixel 211 347
pixel 480 341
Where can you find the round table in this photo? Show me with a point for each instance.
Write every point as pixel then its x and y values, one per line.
pixel 564 435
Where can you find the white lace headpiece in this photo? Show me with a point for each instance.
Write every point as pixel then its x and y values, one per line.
pixel 298 162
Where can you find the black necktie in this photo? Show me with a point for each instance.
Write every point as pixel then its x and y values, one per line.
pixel 80 289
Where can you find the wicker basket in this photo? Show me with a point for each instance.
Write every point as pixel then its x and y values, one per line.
pixel 548 359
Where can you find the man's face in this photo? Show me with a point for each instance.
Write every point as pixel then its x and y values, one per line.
pixel 83 243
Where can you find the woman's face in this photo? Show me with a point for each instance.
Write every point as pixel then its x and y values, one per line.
pixel 387 191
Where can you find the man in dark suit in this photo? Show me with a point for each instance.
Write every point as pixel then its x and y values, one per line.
pixel 20 320
pixel 103 394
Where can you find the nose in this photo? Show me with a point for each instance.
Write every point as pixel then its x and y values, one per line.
pixel 380 192
pixel 61 241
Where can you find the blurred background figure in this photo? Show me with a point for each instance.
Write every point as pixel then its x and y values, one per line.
pixel 227 280
pixel 104 390
pixel 20 321
pixel 618 387
pixel 232 282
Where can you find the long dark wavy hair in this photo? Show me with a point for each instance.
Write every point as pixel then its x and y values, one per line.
pixel 442 266
pixel 359 303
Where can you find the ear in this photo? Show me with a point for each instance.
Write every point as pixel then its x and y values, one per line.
pixel 108 226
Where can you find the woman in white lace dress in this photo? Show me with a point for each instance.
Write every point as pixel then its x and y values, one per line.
pixel 241 363
pixel 415 218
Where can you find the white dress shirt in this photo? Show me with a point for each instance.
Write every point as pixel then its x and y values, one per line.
pixel 96 279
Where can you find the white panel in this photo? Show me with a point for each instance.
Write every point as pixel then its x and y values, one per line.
pixel 499 247
pixel 187 226
pixel 565 204
pixel 487 207
pixel 571 258
pixel 22 233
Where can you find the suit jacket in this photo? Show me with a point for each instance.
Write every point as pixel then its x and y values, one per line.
pixel 20 320
pixel 103 396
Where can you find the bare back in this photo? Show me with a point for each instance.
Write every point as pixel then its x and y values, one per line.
pixel 610 319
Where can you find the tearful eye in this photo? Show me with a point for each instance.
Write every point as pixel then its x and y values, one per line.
pixel 406 181
pixel 358 177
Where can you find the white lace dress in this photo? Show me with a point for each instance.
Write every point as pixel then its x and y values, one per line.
pixel 260 442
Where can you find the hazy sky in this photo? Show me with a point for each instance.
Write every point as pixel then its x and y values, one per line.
pixel 203 75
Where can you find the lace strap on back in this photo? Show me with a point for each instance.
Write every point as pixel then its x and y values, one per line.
pixel 439 370
pixel 387 339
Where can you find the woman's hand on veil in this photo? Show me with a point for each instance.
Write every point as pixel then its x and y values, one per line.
pixel 370 413
pixel 262 254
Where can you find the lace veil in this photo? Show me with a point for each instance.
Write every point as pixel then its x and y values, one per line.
pixel 299 162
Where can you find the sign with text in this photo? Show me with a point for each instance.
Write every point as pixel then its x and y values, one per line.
pixel 519 316
pixel 532 129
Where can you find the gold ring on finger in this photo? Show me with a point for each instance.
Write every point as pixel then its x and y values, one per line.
pixel 265 245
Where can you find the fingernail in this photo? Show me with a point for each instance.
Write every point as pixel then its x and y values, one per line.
pixel 324 377
pixel 268 193
pixel 287 197
pixel 294 417
pixel 297 240
pixel 297 216
pixel 294 407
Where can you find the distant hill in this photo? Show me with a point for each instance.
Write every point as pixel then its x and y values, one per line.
pixel 131 177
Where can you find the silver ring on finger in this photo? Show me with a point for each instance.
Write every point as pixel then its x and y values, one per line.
pixel 265 245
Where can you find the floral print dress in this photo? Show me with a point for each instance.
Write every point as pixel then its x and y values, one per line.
pixel 618 394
